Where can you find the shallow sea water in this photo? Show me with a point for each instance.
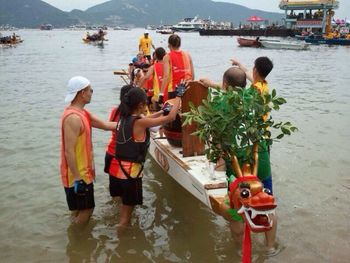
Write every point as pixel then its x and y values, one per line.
pixel 310 168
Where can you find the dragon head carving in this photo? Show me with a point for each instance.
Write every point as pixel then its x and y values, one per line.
pixel 253 202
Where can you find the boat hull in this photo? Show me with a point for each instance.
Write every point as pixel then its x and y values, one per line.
pixel 95 42
pixel 245 42
pixel 337 41
pixel 192 173
pixel 284 45
pixel 248 32
pixel 177 29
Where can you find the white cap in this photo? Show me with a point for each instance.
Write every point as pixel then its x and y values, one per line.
pixel 75 85
pixel 146 32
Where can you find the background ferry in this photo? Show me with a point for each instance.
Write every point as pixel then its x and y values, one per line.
pixel 191 25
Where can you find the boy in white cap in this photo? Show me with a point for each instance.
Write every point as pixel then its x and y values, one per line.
pixel 145 45
pixel 77 161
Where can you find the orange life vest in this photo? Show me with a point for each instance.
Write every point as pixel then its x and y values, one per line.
pixel 114 116
pixel 83 150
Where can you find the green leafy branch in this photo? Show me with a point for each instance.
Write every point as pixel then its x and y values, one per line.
pixel 231 121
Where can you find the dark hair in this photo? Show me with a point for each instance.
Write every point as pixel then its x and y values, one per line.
pixel 131 101
pixel 159 53
pixel 263 66
pixel 124 90
pixel 174 40
pixel 235 77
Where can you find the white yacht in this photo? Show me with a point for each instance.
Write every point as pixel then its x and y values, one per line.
pixel 190 24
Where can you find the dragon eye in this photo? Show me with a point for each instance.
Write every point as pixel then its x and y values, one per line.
pixel 268 191
pixel 245 193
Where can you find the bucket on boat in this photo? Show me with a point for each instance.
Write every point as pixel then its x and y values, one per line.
pixel 173 132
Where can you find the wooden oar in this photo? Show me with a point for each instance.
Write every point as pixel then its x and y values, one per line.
pixel 120 72
pixel 126 82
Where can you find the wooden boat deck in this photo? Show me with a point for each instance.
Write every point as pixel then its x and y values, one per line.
pixel 192 173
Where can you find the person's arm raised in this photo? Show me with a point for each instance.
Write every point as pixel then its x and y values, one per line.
pixel 249 75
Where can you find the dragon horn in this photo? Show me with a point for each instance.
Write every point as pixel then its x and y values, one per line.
pixel 246 169
pixel 255 158
pixel 235 166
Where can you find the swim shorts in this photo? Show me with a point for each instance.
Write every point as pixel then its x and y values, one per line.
pixel 80 202
pixel 130 190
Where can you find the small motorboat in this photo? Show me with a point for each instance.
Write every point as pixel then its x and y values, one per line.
pixel 284 45
pixel 248 42
pixel 165 30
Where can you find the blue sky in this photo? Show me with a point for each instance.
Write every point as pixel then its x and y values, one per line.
pixel 267 5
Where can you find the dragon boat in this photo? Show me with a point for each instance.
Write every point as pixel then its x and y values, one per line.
pixel 9 41
pixel 183 156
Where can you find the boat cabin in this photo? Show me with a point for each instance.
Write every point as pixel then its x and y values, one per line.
pixel 313 15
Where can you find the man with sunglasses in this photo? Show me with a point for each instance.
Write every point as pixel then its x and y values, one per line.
pixel 77 161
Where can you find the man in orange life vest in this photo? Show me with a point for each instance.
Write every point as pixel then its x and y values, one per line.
pixel 177 67
pixel 77 161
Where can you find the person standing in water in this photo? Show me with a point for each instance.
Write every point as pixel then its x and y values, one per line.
pixel 132 142
pixel 145 44
pixel 77 161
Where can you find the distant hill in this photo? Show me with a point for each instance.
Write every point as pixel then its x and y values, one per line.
pixel 141 12
pixel 33 13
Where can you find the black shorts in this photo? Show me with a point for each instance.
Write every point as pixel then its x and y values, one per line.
pixel 108 161
pixel 130 190
pixel 80 202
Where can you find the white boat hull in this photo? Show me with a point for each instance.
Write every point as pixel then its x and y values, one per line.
pixel 284 45
pixel 192 173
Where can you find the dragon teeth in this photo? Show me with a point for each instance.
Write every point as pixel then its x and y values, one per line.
pixel 254 214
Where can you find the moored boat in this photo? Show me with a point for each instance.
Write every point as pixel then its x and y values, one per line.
pixel 284 45
pixel 165 30
pixel 46 27
pixel 121 28
pixel 331 41
pixel 248 42
pixel 190 25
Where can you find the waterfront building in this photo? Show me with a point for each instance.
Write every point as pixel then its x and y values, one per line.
pixel 312 15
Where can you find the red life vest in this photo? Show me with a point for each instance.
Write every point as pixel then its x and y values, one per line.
pixel 180 68
pixel 158 78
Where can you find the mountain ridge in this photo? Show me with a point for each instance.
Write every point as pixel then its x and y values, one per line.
pixel 138 13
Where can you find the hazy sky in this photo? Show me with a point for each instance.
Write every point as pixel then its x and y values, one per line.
pixel 268 5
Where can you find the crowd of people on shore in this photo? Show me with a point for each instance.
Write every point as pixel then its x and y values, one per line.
pixel 154 79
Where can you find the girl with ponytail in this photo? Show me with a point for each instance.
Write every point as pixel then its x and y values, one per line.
pixel 133 138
